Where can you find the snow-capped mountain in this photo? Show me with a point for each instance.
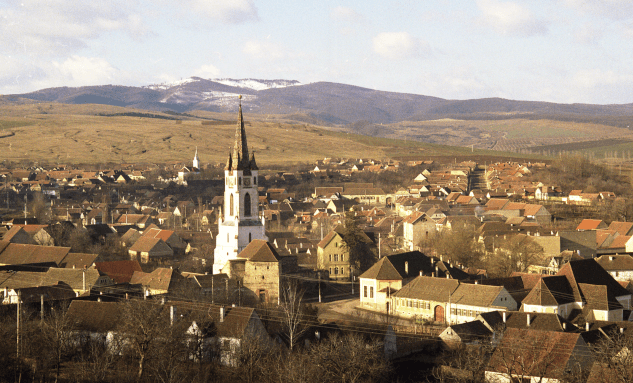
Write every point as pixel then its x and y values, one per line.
pixel 255 84
pixel 215 93
pixel 327 102
pixel 248 83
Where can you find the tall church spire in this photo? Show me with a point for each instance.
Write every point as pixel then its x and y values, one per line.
pixel 240 147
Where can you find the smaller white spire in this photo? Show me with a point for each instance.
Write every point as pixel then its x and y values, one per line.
pixel 196 160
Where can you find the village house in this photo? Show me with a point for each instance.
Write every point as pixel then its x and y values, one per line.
pixel 333 255
pixel 160 281
pixel 258 268
pixel 388 275
pixel 417 227
pixel 581 285
pixel 147 249
pixel 448 300
pixel 537 356
pixel 620 266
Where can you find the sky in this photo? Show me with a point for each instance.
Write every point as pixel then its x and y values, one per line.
pixel 565 51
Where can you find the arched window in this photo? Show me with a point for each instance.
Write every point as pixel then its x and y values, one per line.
pixel 231 209
pixel 247 205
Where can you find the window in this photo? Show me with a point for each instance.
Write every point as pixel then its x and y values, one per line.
pixel 239 181
pixel 342 270
pixel 249 237
pixel 330 257
pixel 335 257
pixel 365 291
pixel 231 203
pixel 335 270
pixel 453 311
pixel 247 205
pixel 371 291
pixel 255 180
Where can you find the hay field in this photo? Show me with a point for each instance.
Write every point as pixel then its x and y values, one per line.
pixel 59 133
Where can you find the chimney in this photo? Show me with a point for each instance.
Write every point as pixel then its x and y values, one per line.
pixel 621 330
pixel 99 299
pixel 221 314
pixel 172 314
pixel 476 282
pixel 447 276
pixel 406 267
pixel 564 326
pixel 504 316
pixel 421 273
pixel 587 326
pixel 528 319
pixel 432 274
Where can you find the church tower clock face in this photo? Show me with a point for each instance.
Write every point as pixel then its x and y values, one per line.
pixel 247 181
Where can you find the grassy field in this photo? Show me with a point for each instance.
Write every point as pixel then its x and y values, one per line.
pixel 63 133
pixel 58 133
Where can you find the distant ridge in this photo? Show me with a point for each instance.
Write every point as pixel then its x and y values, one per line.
pixel 327 102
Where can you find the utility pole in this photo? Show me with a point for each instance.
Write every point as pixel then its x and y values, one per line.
pixel 18 325
pixel 319 274
pixel 351 269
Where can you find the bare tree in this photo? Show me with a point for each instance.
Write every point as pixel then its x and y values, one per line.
pixel 292 316
pixel 516 253
pixel 459 244
pixel 56 336
pixel 142 326
pixel 614 358
pixel 465 364
pixel 349 358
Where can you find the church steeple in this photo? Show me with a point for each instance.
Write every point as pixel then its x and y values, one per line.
pixel 196 160
pixel 240 147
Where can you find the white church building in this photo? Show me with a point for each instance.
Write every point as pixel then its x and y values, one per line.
pixel 239 223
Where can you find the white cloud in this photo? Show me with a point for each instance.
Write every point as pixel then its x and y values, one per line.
pixel 400 45
pixel 613 9
pixel 73 71
pixel 345 14
pixel 509 17
pixel 207 71
pixel 590 78
pixel 263 50
pixel 227 11
pixel 82 71
pixel 588 34
pixel 61 27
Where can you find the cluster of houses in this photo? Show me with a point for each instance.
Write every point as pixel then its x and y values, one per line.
pixel 579 287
